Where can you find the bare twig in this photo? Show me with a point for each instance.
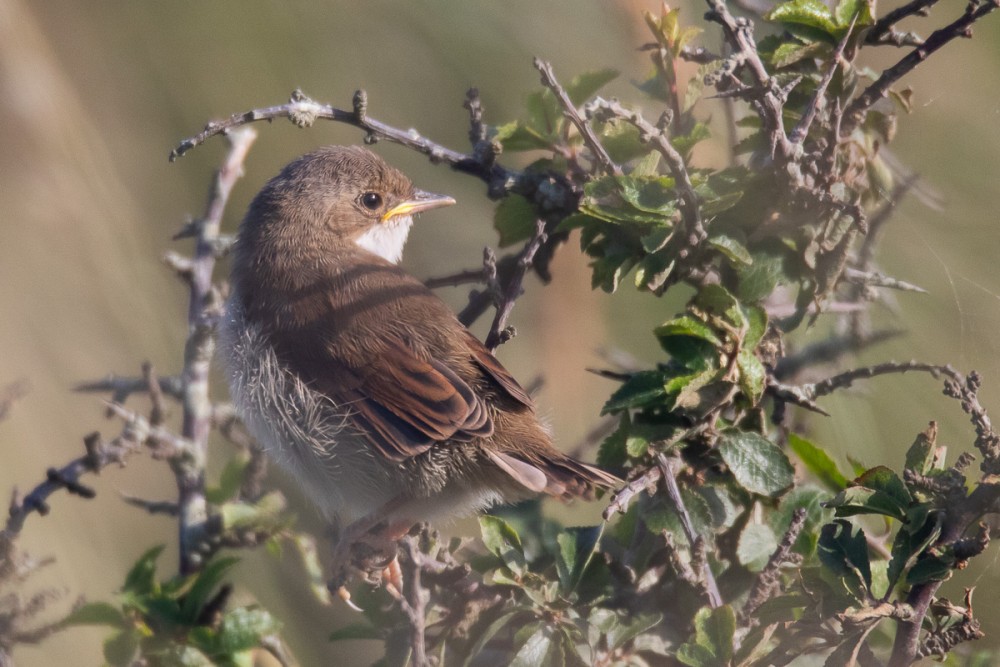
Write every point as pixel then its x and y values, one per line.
pixel 189 470
pixel 674 493
pixel 961 27
pixel 99 454
pixel 847 378
pixel 801 130
pixel 769 96
pixel 623 497
pixel 570 111
pixel 770 577
pixel 512 290
pixel 414 601
pixel 884 27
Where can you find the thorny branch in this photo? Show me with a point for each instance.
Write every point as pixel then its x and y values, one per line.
pixel 961 27
pixel 508 294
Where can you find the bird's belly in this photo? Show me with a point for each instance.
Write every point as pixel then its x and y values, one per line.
pixel 301 430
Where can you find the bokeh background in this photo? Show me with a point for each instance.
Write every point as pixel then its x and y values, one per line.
pixel 93 96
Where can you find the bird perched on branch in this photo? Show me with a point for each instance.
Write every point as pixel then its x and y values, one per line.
pixel 359 380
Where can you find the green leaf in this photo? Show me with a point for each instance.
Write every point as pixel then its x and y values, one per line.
pixel 641 389
pixel 576 221
pixel 931 568
pixel 230 480
pixel 757 543
pixel 355 631
pixel 544 113
pixel 811 13
pixel 630 627
pixel 96 613
pixel 911 544
pixel 790 53
pixel 483 638
pixel 584 86
pixel 856 500
pixel 515 219
pixel 846 10
pixel 715 630
pixel 243 628
pixel 758 280
pixel 846 553
pixel 718 301
pixel 612 453
pixel 688 326
pixel 685 142
pixel 921 454
pixel 141 579
pixel 753 375
pixel 713 206
pixel 758 465
pixel 503 542
pixel 517 136
pixel 818 462
pixel 204 587
pixel 120 648
pixel 543 649
pixel 732 250
pixel 697 655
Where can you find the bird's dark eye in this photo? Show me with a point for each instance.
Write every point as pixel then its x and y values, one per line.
pixel 371 200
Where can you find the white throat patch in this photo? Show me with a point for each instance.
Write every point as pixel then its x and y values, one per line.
pixel 386 239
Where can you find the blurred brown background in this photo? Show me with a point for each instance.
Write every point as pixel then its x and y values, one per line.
pixel 93 96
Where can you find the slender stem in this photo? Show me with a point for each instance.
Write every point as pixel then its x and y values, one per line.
pixel 189 468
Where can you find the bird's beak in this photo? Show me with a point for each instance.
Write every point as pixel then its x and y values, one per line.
pixel 421 201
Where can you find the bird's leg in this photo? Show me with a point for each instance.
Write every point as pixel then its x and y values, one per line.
pixel 369 545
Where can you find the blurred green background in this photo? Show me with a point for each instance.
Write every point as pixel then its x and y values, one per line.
pixel 93 96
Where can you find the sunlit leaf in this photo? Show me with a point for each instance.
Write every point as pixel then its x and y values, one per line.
pixel 758 464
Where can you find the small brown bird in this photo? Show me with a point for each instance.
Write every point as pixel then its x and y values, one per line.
pixel 355 376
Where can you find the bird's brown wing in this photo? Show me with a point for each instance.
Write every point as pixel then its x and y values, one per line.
pixel 405 404
pixel 496 372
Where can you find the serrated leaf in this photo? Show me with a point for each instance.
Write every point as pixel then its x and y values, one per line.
pixel 758 465
pixel 846 10
pixel 921 454
pixel 685 142
pixel 818 462
pixel 584 86
pixel 731 249
pixel 96 613
pixel 641 389
pixel 612 453
pixel 688 326
pixel 515 219
pixel 753 375
pixel 846 553
pixel 503 542
pixel 790 53
pixel 716 300
pixel 811 13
